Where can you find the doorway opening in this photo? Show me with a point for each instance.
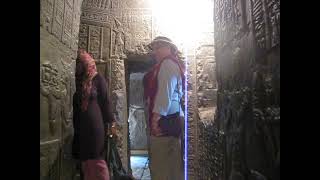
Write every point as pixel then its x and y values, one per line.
pixel 136 67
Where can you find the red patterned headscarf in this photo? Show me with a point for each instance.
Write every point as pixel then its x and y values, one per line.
pixel 86 70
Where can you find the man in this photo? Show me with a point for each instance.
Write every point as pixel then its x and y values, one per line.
pixel 163 92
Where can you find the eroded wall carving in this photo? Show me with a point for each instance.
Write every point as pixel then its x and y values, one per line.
pixel 59 27
pixel 247 39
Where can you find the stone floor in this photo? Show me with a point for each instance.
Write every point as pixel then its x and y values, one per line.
pixel 140 167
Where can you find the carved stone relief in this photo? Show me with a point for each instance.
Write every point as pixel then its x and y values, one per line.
pixel 49 160
pixel 46 12
pixel 136 25
pixel 248 94
pixel 67 26
pixel 49 87
pixel 95 41
pixel 273 7
pixel 258 23
pixel 117 40
pixel 58 19
pixel 83 36
pixel 59 28
pixel 103 4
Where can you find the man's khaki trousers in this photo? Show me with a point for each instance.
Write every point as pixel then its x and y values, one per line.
pixel 165 158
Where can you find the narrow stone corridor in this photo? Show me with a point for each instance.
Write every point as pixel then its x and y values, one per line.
pixel 231 49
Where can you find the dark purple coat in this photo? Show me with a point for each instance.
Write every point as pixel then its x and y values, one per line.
pixel 90 125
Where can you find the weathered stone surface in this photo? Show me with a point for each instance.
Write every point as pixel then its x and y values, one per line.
pixel 248 74
pixel 137 128
pixel 137 27
pixel 245 86
pixel 136 90
pixel 202 89
pixel 58 38
pixel 210 150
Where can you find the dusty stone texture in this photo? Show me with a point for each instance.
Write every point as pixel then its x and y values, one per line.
pixel 210 150
pixel 136 65
pixel 247 51
pixel 59 24
pixel 202 88
pixel 192 115
pixel 136 90
pixel 119 103
pixel 113 30
pixel 137 120
pixel 137 128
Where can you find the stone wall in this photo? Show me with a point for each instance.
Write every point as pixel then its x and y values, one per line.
pixel 59 27
pixel 124 28
pixel 137 120
pixel 247 51
pixel 202 93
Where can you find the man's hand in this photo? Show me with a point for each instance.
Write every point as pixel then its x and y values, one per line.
pixel 155 127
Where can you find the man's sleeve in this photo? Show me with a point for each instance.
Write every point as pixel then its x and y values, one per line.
pixel 167 81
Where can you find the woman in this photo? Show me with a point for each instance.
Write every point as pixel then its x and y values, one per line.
pixel 91 116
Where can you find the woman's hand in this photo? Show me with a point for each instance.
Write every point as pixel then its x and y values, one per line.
pixel 113 129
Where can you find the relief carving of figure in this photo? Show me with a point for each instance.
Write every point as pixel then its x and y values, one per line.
pixel 49 88
pixel 65 87
pixel 119 39
pixel 119 44
pixel 275 24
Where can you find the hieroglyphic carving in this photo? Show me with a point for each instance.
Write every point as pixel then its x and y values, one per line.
pixel 75 24
pixel 55 85
pixel 136 24
pixel 258 23
pixel 106 4
pixel 67 27
pixel 95 41
pixel 117 73
pixel 58 18
pixel 83 36
pixel 97 17
pixel 117 42
pixel 48 87
pixel 49 75
pixel 103 4
pixel 115 4
pixel 206 83
pixel 66 92
pixel 223 19
pixel 119 104
pixel 239 14
pixel 46 14
pixel 83 31
pixel 242 112
pixel 49 160
pixel 273 7
pixel 230 20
